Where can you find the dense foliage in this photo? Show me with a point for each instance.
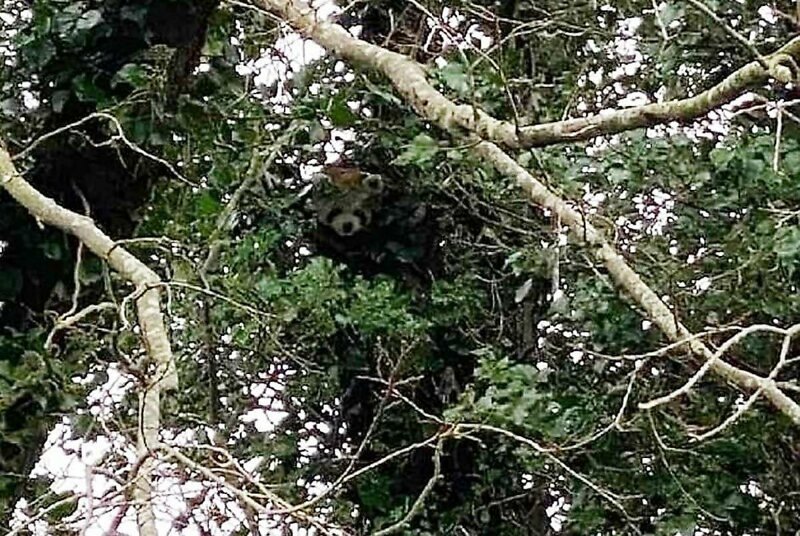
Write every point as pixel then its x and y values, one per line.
pixel 357 349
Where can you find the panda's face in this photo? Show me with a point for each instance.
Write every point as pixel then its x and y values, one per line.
pixel 347 207
pixel 346 222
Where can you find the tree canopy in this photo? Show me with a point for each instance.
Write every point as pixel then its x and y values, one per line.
pixel 459 267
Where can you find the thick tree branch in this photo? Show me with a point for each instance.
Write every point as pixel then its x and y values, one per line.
pixel 410 80
pixel 630 282
pixel 151 321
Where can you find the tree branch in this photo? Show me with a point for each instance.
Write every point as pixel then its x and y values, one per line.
pixel 408 77
pixel 148 304
pixel 630 282
pixel 410 80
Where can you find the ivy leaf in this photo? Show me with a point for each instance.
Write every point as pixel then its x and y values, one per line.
pixel 89 20
pixel 455 78
pixel 86 90
pixel 131 73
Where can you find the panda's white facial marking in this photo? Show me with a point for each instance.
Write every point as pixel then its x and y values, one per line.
pixel 346 222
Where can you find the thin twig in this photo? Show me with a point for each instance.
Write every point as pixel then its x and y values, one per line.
pixel 778 133
pixel 420 501
pixel 787 342
pixel 701 372
pixel 607 495
pixel 120 136
pixel 730 31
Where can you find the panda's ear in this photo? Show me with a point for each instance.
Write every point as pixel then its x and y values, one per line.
pixel 373 182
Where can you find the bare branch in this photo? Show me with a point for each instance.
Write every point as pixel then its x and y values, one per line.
pixel 420 501
pixel 120 135
pixel 613 498
pixel 727 345
pixel 700 6
pixel 242 495
pixel 782 360
pixel 257 168
pixel 630 282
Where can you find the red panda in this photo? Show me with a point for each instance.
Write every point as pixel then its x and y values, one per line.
pixel 346 198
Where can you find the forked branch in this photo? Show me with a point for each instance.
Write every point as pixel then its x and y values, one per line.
pixel 148 304
pixel 410 80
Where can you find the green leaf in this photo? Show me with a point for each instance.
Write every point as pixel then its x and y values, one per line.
pixel 422 150
pixel 59 99
pixel 132 74
pixel 207 205
pixel 618 175
pixel 89 20
pixel 455 78
pixel 86 90
pixel 340 114
pixel 670 12
pixel 722 156
pixel 787 243
pixel 52 250
pixel 383 93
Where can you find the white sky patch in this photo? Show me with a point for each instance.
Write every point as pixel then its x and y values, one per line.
pixel 656 210
pixel 768 14
pixel 264 420
pixel 635 98
pixel 702 284
pixel 104 398
pixel 293 52
pixel 593 199
pixel 30 100
pixel 335 146
pixel 596 77
pixel 455 30
pixel 287 56
pixel 71 463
